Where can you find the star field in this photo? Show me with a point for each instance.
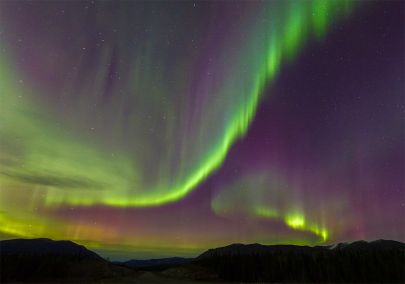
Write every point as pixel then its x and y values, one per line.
pixel 165 128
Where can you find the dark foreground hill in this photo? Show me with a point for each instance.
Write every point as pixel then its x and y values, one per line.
pixel 378 261
pixel 44 260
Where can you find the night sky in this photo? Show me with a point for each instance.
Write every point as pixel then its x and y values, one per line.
pixel 151 129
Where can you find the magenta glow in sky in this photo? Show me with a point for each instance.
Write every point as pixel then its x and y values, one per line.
pixel 166 128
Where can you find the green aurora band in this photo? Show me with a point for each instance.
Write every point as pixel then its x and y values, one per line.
pixel 263 195
pixel 63 168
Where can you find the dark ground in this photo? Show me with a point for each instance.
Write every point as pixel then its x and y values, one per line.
pixel 44 260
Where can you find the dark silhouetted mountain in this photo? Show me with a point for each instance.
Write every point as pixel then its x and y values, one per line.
pixel 159 263
pixel 378 261
pixel 45 246
pixel 45 260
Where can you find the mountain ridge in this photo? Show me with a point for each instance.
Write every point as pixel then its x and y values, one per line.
pixel 256 247
pixel 358 261
pixel 45 260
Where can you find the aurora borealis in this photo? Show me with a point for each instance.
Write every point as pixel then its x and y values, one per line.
pixel 165 128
